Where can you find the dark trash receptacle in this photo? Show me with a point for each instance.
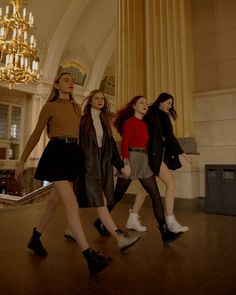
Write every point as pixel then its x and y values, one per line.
pixel 221 189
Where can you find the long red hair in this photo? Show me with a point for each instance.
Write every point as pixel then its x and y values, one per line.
pixel 125 113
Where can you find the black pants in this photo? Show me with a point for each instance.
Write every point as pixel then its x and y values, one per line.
pixel 150 185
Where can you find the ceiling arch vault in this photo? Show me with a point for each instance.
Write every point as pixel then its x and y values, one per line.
pixel 85 24
pixel 60 37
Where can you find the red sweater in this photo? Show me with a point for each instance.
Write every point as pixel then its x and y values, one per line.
pixel 135 134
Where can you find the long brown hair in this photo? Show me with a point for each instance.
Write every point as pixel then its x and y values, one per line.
pixel 105 114
pixel 125 113
pixel 54 95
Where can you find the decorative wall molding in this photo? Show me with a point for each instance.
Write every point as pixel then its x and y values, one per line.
pixel 110 70
pixel 79 54
pixel 13 97
pixel 214 92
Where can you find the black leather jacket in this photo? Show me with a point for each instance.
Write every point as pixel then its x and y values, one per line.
pixel 96 171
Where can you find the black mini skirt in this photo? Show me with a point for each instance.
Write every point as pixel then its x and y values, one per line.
pixel 59 161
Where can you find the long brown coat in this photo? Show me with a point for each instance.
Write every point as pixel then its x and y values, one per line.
pixel 96 168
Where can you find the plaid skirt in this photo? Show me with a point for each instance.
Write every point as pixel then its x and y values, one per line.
pixel 139 166
pixel 59 161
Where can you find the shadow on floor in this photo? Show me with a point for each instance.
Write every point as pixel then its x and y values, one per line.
pixel 201 261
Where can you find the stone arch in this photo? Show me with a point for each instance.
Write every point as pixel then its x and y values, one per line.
pixel 61 36
pixel 101 61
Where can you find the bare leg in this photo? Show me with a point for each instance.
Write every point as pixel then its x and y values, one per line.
pixel 107 220
pixel 139 200
pixel 123 240
pixel 122 185
pixel 96 262
pixel 167 178
pixel 49 210
pixel 133 221
pixel 68 197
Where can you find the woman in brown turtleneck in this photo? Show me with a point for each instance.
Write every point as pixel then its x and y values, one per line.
pixel 59 165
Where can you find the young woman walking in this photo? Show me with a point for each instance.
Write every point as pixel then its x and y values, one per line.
pixel 163 155
pixel 129 123
pixel 98 156
pixel 59 164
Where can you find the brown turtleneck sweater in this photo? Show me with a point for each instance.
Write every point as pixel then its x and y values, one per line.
pixel 61 119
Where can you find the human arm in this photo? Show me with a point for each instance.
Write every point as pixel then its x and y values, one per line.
pixel 126 136
pixel 127 133
pixel 127 169
pixel 19 171
pixel 117 161
pixel 171 141
pixel 33 140
pixel 187 157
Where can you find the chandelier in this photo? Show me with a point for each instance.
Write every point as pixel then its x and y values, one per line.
pixel 19 61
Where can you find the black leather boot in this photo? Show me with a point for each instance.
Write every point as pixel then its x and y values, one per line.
pixel 101 228
pixel 167 235
pixel 36 245
pixel 96 262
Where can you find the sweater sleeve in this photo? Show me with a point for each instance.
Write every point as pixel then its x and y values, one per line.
pixel 127 132
pixel 172 140
pixel 35 136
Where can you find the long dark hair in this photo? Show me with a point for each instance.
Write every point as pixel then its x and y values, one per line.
pixel 155 106
pixel 104 115
pixel 125 113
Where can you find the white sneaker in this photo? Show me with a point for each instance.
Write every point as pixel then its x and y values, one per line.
pixel 133 222
pixel 174 226
pixel 124 241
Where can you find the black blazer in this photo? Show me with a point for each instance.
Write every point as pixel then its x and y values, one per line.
pixel 162 144
pixel 96 168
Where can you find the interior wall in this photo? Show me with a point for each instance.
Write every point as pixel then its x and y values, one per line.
pixel 214 39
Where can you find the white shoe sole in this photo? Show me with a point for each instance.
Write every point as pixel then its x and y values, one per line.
pixel 183 229
pixel 123 248
pixel 134 228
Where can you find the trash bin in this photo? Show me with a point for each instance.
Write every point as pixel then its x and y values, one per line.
pixel 221 189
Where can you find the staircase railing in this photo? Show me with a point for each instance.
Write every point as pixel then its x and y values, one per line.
pixel 8 200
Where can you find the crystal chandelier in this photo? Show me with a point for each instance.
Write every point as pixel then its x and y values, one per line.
pixel 19 61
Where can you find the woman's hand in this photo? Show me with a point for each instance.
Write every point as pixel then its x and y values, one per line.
pixel 126 170
pixel 187 158
pixel 19 171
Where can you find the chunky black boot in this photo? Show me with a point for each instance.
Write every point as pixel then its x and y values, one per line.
pixel 36 245
pixel 167 235
pixel 101 228
pixel 96 262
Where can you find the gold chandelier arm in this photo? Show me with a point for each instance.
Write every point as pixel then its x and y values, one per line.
pixel 16 3
pixel 19 61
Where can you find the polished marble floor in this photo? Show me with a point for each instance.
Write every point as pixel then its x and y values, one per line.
pixel 201 261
